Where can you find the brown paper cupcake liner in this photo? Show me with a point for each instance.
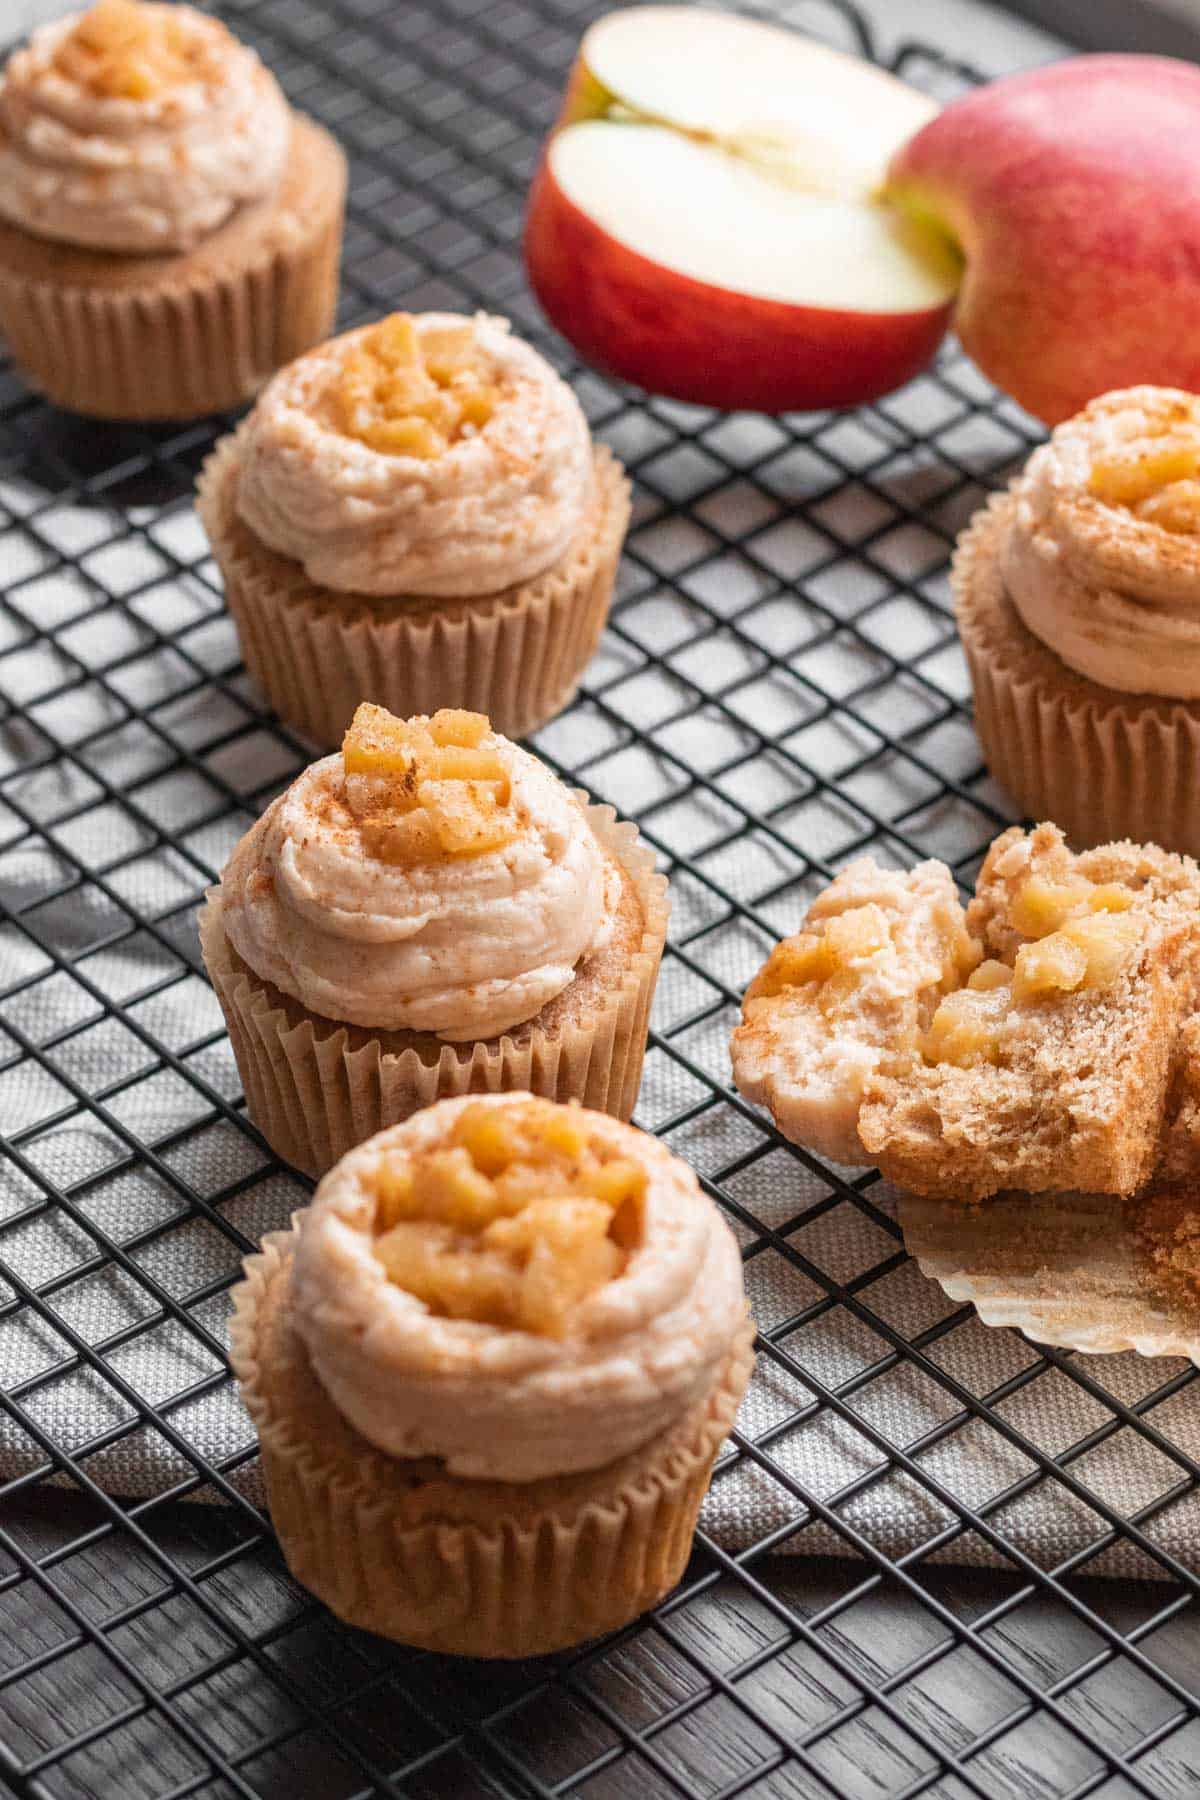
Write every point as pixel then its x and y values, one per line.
pixel 175 337
pixel 315 1088
pixel 516 656
pixel 467 1568
pixel 1103 765
pixel 1067 1269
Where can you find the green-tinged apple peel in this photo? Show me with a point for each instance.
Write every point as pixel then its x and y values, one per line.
pixel 1074 193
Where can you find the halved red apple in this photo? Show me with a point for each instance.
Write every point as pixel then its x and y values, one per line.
pixel 705 220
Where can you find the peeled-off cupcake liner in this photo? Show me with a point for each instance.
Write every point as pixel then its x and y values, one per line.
pixel 1066 1269
pixel 467 1568
pixel 516 656
pixel 315 1088
pixel 1103 765
pixel 175 337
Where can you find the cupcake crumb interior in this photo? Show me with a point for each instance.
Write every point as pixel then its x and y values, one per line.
pixel 410 392
pixel 1167 1230
pixel 1077 940
pixel 427 789
pixel 121 49
pixel 518 1217
pixel 1156 475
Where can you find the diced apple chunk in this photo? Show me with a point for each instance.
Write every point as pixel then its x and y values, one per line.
pixel 435 787
pixel 858 933
pixel 968 1027
pixel 1134 472
pixel 989 976
pixel 1049 966
pixel 1174 508
pixel 451 726
pixel 514 1221
pixel 121 50
pixel 377 743
pixel 1041 906
pixel 410 391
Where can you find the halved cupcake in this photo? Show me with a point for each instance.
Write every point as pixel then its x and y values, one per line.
pixel 169 228
pixel 415 512
pixel 490 1370
pixel 431 912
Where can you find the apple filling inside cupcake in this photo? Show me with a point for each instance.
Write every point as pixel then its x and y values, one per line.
pixel 427 789
pixel 837 959
pixel 1078 940
pixel 410 392
pixel 518 1217
pixel 1156 475
pixel 121 49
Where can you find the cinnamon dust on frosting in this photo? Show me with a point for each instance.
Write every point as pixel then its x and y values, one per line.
pixel 447 488
pixel 462 908
pixel 136 127
pixel 1101 557
pixel 639 1342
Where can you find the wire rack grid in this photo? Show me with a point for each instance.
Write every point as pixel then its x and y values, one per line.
pixel 779 688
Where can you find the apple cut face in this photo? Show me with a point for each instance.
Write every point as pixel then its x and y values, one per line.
pixel 705 221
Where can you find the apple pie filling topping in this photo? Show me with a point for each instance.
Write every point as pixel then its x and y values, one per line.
pixel 1079 939
pixel 1155 474
pixel 427 789
pixel 513 1221
pixel 410 392
pixel 121 49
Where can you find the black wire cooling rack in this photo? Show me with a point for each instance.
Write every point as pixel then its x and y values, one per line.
pixel 936 1559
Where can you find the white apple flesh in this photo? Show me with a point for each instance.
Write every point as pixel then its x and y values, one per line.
pixel 705 220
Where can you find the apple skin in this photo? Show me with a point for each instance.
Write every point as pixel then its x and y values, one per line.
pixel 690 340
pixel 1073 192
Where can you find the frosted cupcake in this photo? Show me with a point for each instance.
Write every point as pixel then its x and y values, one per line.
pixel 490 1372
pixel 169 228
pixel 415 514
pixel 1078 599
pixel 430 913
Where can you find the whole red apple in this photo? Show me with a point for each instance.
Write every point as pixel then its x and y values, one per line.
pixel 1073 193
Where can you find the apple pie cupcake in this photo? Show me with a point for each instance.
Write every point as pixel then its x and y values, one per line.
pixel 414 514
pixel 428 913
pixel 169 228
pixel 490 1369
pixel 1078 599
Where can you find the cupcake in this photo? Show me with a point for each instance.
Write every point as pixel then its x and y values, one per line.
pixel 1078 599
pixel 429 913
pixel 490 1369
pixel 169 228
pixel 414 514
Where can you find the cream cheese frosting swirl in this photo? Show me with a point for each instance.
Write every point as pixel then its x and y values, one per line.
pixel 151 174
pixel 1101 557
pixel 497 507
pixel 467 947
pixel 494 1403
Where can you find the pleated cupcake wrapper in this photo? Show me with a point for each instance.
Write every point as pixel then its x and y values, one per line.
pixel 168 349
pixel 546 1571
pixel 1064 1268
pixel 1102 765
pixel 314 1095
pixel 516 656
